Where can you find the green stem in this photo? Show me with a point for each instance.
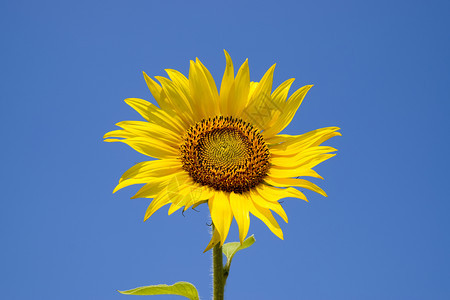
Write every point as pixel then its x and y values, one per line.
pixel 218 280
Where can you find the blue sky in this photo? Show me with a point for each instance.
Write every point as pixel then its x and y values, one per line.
pixel 380 71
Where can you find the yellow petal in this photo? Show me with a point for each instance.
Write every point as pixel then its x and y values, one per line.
pixel 212 88
pixel 146 180
pixel 198 194
pixel 153 168
pixel 157 93
pixel 252 89
pixel 280 94
pixel 240 207
pixel 286 145
pixel 264 88
pixel 241 88
pixel 227 86
pixel 146 129
pixel 221 214
pixel 149 147
pixel 288 113
pixel 325 138
pixel 287 182
pixel 119 134
pixel 152 188
pixel 301 158
pixel 178 102
pixel 129 182
pixel 266 216
pixel 199 203
pixel 152 140
pixel 262 200
pixel 258 110
pixel 276 104
pixel 183 87
pixel 201 91
pixel 156 115
pixel 309 173
pixel 274 194
pixel 178 189
pixel 178 196
pixel 214 240
pixel 156 184
pixel 180 81
pixel 283 172
pixel 159 201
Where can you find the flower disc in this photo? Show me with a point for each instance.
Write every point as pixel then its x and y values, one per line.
pixel 226 154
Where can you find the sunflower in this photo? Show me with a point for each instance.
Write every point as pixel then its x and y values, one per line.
pixel 221 148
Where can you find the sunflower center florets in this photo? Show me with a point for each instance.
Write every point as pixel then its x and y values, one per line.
pixel 226 154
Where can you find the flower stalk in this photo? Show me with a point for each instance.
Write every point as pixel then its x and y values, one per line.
pixel 218 273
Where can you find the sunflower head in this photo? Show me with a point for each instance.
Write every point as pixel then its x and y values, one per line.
pixel 225 153
pixel 223 149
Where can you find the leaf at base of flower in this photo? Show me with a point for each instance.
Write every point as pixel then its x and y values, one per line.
pixel 181 288
pixel 230 249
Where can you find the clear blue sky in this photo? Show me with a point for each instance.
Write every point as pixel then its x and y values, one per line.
pixel 380 71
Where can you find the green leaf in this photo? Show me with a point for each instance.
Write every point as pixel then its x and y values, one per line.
pixel 181 288
pixel 230 249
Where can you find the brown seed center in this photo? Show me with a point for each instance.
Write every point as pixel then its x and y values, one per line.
pixel 226 154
